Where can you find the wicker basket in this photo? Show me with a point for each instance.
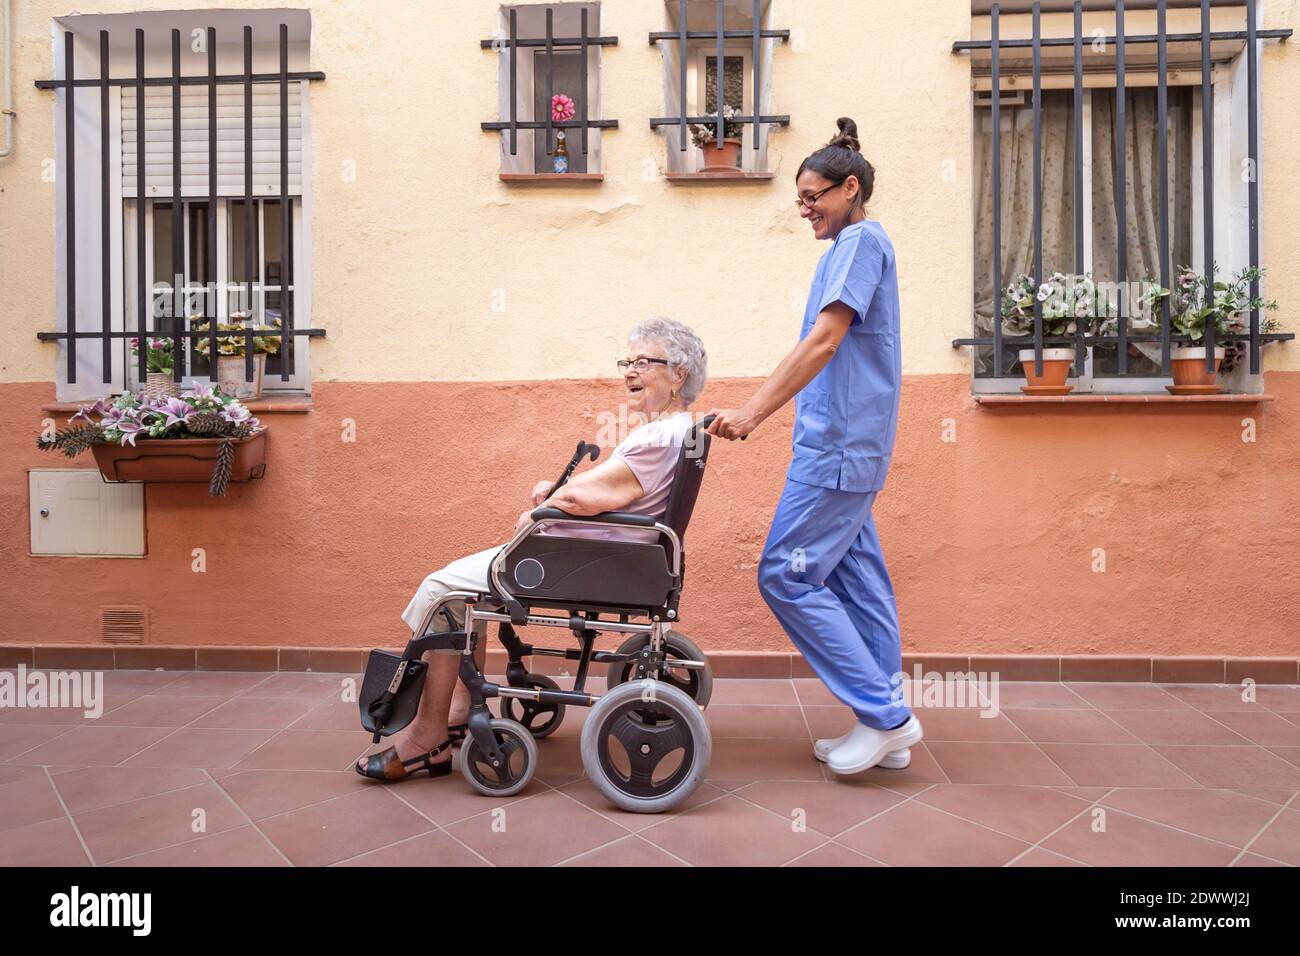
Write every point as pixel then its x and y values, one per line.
pixel 161 385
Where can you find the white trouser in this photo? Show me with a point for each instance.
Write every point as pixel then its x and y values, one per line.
pixel 469 573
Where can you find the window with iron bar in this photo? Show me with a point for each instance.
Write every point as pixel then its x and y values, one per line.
pixel 549 50
pixel 701 35
pixel 202 196
pixel 1150 91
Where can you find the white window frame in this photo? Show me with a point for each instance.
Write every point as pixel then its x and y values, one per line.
pixel 698 72
pixel 1230 231
pixel 122 315
pixel 300 379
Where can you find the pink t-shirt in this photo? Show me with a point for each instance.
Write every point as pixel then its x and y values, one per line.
pixel 651 452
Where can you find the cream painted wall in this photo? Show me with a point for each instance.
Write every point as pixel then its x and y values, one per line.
pixel 411 254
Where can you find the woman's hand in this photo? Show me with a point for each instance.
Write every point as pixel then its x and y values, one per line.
pixel 525 518
pixel 541 491
pixel 732 423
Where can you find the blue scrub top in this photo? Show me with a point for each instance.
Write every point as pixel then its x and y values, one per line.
pixel 846 418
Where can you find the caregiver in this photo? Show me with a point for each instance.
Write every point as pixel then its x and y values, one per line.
pixel 821 572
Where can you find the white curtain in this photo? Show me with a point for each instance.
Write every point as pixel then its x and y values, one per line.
pixel 1141 202
pixel 1017 156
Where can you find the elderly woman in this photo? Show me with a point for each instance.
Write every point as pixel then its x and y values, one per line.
pixel 663 373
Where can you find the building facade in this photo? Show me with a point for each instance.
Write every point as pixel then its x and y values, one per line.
pixel 472 303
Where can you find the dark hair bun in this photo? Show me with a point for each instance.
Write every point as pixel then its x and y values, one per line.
pixel 848 135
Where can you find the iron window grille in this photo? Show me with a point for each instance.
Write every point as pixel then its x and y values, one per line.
pixel 720 34
pixel 174 327
pixel 512 43
pixel 1120 41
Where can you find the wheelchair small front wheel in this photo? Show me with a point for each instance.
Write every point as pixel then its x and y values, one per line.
pixel 520 752
pixel 697 684
pixel 646 746
pixel 537 717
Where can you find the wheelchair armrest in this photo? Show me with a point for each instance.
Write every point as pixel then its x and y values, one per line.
pixel 608 517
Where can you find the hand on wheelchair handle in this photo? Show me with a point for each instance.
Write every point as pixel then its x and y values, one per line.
pixel 721 423
pixel 541 491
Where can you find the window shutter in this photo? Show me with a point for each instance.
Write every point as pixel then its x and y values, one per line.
pixel 194 140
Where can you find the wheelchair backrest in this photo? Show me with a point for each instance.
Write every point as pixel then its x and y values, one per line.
pixel 687 478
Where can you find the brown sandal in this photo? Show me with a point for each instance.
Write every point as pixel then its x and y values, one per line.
pixel 387 767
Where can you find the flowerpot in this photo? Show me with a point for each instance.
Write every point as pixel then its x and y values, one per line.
pixel 1056 369
pixel 1187 364
pixel 724 158
pixel 161 385
pixel 180 459
pixel 230 376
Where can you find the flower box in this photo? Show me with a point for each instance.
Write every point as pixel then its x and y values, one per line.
pixel 202 435
pixel 180 459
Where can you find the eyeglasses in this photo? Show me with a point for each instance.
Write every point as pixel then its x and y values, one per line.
pixel 640 364
pixel 800 202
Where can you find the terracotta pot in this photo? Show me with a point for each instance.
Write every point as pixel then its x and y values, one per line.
pixel 161 385
pixel 1056 367
pixel 1188 367
pixel 230 376
pixel 724 158
pixel 179 459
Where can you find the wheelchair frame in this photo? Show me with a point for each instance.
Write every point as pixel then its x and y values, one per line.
pixel 584 622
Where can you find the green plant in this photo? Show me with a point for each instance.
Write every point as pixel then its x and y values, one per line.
pixel 235 344
pixel 1195 302
pixel 1067 301
pixel 159 354
pixel 702 134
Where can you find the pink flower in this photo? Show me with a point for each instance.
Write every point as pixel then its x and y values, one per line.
pixel 562 108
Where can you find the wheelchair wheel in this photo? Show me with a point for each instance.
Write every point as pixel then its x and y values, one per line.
pixel 521 761
pixel 646 746
pixel 539 719
pixel 696 684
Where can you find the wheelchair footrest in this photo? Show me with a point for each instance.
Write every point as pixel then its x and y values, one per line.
pixel 390 692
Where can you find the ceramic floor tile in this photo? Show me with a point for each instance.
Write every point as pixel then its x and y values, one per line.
pixel 914 834
pixel 1117 765
pixel 1006 763
pixel 1131 841
pixel 240 847
pixel 49 843
pixel 1215 814
pixel 343 827
pixel 1057 725
pixel 540 831
pixel 827 808
pixel 732 832
pixel 152 823
pixel 1026 813
pixel 1233 766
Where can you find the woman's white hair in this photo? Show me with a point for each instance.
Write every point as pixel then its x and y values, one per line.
pixel 682 348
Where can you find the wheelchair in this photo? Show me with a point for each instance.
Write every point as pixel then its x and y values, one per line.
pixel 645 745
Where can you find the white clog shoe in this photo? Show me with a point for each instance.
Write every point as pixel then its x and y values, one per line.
pixel 865 747
pixel 894 760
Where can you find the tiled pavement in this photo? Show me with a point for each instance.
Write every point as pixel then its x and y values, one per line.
pixel 1065 774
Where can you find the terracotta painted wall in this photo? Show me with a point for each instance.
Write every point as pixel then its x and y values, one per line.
pixel 990 539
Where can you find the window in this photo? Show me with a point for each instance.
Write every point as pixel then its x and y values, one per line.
pixel 1099 214
pixel 183 156
pixel 546 51
pixel 1088 97
pixel 259 295
pixel 698 33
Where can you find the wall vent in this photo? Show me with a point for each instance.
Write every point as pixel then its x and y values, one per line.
pixel 124 625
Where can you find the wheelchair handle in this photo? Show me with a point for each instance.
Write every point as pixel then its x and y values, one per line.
pixel 584 450
pixel 707 420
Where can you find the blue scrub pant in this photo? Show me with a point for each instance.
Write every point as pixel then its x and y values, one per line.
pixel 824 578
